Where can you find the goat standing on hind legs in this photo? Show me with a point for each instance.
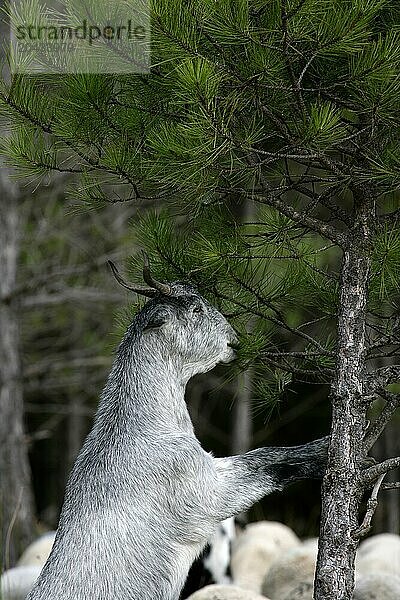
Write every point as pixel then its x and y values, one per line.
pixel 143 497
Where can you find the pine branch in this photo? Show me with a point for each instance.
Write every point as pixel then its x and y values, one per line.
pixel 295 82
pixel 327 200
pixel 290 368
pixel 280 322
pixel 267 197
pixel 310 223
pixel 48 129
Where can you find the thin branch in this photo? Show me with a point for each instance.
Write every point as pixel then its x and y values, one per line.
pixel 395 485
pixel 11 527
pixel 373 473
pixel 46 366
pixel 386 339
pixel 307 65
pixel 37 281
pixel 59 409
pixel 372 505
pixel 46 128
pixel 326 200
pixel 69 295
pixel 278 319
pixel 299 354
pixel 377 427
pixel 382 377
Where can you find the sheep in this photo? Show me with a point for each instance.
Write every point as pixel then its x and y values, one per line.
pixel 377 586
pixel 225 592
pixel 38 552
pixel 144 497
pixel 17 582
pixel 291 575
pixel 311 543
pixel 302 591
pixel 256 549
pixel 277 533
pixel 213 565
pixel 379 553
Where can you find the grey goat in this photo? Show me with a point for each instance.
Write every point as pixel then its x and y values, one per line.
pixel 143 497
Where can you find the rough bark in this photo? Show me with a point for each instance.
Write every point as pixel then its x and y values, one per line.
pixel 341 491
pixel 16 498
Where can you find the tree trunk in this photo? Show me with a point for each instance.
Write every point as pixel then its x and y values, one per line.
pixel 341 492
pixel 242 430
pixel 76 430
pixel 16 499
pixel 242 422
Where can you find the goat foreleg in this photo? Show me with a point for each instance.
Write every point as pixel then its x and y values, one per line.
pixel 244 479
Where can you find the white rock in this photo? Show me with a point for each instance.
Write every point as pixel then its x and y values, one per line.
pixel 379 553
pixel 377 586
pixel 291 572
pixel 225 592
pixel 38 552
pixel 17 582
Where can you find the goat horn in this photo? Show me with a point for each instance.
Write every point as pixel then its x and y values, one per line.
pixel 133 288
pixel 164 288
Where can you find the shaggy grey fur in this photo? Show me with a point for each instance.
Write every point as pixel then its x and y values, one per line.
pixel 143 497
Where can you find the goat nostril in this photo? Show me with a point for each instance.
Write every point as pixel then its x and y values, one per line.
pixel 234 345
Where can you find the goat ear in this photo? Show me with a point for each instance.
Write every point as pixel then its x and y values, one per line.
pixel 155 322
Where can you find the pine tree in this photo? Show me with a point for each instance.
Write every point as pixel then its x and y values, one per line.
pixel 291 106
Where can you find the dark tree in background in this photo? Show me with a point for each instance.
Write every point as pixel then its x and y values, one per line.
pixel 290 107
pixel 16 516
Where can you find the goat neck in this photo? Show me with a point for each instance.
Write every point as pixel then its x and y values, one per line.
pixel 145 391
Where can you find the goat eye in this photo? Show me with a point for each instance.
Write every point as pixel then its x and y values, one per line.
pixel 197 309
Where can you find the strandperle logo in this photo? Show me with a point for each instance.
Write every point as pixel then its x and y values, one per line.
pixel 92 36
pixel 86 31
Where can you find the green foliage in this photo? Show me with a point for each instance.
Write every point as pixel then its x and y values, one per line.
pixel 325 125
pixel 265 284
pixel 386 267
pixel 258 126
